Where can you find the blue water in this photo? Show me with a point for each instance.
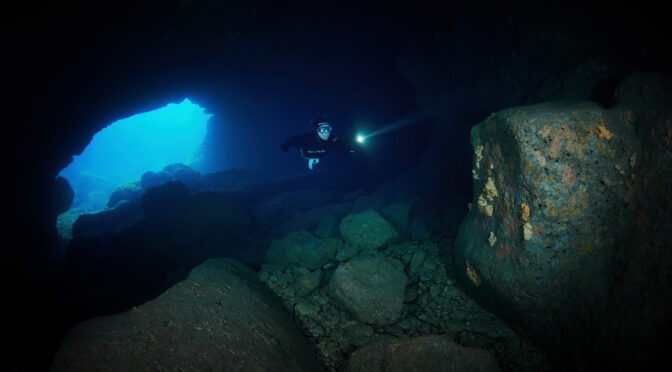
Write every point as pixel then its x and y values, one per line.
pixel 124 150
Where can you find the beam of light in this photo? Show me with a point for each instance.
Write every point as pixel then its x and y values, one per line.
pixel 412 119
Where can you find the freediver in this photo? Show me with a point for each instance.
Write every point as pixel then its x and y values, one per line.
pixel 316 144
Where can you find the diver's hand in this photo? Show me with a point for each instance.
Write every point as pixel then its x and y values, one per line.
pixel 284 147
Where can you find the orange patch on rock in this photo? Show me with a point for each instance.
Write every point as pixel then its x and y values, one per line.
pixel 568 175
pixel 538 230
pixel 540 158
pixel 546 131
pixel 472 274
pixel 569 135
pixel 509 225
pixel 524 211
pixel 556 145
pixel 604 132
pixel 569 206
pixel 506 249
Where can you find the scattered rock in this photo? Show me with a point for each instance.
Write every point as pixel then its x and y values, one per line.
pixel 287 251
pixel 371 289
pixel 319 252
pixel 367 230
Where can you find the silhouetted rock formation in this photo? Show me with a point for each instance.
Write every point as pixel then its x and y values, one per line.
pixel 220 318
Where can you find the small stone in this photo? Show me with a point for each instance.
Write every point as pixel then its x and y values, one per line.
pixel 417 260
pixel 306 309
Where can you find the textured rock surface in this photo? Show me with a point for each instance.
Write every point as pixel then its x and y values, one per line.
pixel 563 194
pixel 171 172
pixel 433 304
pixel 367 230
pixel 431 353
pixel 288 250
pixel 220 318
pixel 371 289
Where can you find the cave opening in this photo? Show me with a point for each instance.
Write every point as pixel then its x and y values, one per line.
pixel 119 154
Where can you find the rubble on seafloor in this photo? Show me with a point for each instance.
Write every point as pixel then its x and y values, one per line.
pixel 432 301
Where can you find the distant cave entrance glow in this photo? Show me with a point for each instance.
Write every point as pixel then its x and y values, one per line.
pixel 126 149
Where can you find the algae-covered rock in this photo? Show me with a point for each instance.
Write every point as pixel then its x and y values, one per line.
pixel 564 194
pixel 288 250
pixel 371 289
pixel 306 281
pixel 319 252
pixel 367 230
pixel 540 169
pixel 302 248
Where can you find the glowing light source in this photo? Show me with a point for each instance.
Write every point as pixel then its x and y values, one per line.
pixel 360 138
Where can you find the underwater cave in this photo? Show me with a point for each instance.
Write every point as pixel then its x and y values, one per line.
pixel 347 186
pixel 124 150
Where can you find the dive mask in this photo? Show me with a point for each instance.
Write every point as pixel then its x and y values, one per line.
pixel 324 129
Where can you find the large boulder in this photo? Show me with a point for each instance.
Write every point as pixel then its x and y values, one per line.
pixel 562 222
pixel 431 353
pixel 288 250
pixel 367 230
pixel 371 289
pixel 203 323
pixel 303 249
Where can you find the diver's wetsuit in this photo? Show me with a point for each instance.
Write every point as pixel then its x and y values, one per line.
pixel 310 146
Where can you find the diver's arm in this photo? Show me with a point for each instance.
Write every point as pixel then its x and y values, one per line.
pixel 343 146
pixel 289 142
